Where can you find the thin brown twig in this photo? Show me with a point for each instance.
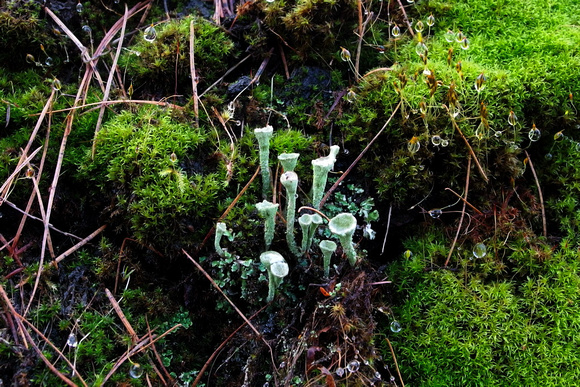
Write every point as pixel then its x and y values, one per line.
pixel 14 206
pixel 167 375
pixel 479 167
pixel 355 162
pixel 409 26
pixel 463 199
pixel 110 80
pixel 462 212
pixel 6 185
pixel 193 73
pixel 396 364
pixel 67 253
pixel 119 311
pixel 315 210
pixel 544 223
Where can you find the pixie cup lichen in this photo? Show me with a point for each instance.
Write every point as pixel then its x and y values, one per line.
pixel 263 135
pixel 290 182
pixel 288 161
pixel 328 248
pixel 321 166
pixel 343 225
pixel 220 231
pixel 267 210
pixel 308 224
pixel 277 269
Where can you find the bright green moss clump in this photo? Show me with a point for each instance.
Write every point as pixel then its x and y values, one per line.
pixel 464 330
pixel 156 170
pixel 156 64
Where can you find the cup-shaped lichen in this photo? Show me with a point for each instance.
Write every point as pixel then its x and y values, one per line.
pixel 343 225
pixel 277 269
pixel 267 210
pixel 220 231
pixel 321 167
pixel 328 248
pixel 263 135
pixel 290 182
pixel 288 161
pixel 308 223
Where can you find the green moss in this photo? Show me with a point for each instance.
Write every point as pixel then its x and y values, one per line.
pixel 157 170
pixel 164 63
pixel 461 330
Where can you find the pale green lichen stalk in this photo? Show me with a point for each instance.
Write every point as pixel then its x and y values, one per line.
pixel 343 225
pixel 288 161
pixel 290 182
pixel 263 135
pixel 308 224
pixel 220 231
pixel 328 248
pixel 277 269
pixel 267 210
pixel 321 167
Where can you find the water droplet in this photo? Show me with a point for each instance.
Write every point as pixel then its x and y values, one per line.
pixel 56 85
pixel 378 375
pixel 534 134
pixel 72 341
pixel 270 1
pixel 48 61
pixel 548 156
pixel 419 26
pixel 459 37
pixel 396 31
pixel 136 371
pixel 353 366
pixel 465 44
pixel 421 49
pixel 340 372
pixel 512 119
pixel 410 1
pixel 480 82
pixel 559 136
pixel 392 379
pixel 351 96
pixel 366 362
pixel 436 140
pixel 150 34
pixel 116 1
pixel 87 29
pixel 30 58
pixel 444 143
pixel 498 134
pixel 449 36
pixel 408 254
pixel 344 54
pixel 413 145
pixel 396 327
pixel 79 7
pixel 421 167
pixel 479 250
pixel 435 213
pixel 431 20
